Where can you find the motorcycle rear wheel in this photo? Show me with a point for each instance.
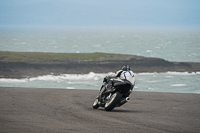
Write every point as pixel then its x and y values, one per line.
pixel 113 101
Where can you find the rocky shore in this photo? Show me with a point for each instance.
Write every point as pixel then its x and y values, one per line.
pixel 23 65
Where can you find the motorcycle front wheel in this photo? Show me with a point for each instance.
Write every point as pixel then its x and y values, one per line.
pixel 95 104
pixel 113 101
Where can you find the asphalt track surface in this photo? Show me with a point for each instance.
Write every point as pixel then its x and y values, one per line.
pixel 31 110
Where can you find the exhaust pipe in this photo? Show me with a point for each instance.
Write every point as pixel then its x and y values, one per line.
pixel 127 99
pixel 123 101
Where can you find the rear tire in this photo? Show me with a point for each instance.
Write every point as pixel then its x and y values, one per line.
pixel 114 100
pixel 95 104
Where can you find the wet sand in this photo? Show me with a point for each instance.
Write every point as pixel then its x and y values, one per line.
pixel 31 110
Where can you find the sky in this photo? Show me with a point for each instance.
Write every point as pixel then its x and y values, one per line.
pixel 101 13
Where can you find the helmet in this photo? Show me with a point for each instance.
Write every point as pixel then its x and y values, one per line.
pixel 126 68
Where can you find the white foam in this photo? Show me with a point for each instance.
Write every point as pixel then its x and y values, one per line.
pixel 169 76
pixel 89 76
pixel 170 73
pixel 71 83
pixel 147 73
pixel 148 51
pixel 97 45
pixel 135 87
pixel 70 88
pixel 68 77
pixel 4 80
pixel 176 85
pixel 154 81
pixel 197 72
pixel 45 78
pixel 151 89
pixel 181 73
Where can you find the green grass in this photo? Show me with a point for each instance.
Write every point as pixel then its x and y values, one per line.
pixel 19 56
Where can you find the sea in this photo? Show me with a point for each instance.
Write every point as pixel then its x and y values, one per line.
pixel 178 45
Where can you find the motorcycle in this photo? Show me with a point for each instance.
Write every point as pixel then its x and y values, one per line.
pixel 115 94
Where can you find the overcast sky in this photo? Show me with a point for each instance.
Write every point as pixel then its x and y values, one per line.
pixel 101 13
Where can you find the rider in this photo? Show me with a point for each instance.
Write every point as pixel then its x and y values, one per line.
pixel 124 74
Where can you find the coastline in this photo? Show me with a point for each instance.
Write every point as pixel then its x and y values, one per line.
pixel 64 110
pixel 32 64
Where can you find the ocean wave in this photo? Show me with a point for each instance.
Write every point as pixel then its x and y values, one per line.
pixel 170 73
pixel 89 76
pixel 197 72
pixel 177 81
pixel 9 80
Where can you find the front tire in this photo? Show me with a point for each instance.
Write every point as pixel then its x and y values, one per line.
pixel 95 104
pixel 113 101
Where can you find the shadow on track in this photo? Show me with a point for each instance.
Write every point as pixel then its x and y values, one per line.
pixel 120 110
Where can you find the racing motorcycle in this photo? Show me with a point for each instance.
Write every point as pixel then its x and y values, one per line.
pixel 115 93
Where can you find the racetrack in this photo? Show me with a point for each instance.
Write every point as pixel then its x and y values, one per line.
pixel 31 110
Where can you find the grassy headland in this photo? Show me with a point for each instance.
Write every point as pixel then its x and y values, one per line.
pixel 21 56
pixel 26 56
pixel 29 64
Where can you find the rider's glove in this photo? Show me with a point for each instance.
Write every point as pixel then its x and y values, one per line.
pixel 105 79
